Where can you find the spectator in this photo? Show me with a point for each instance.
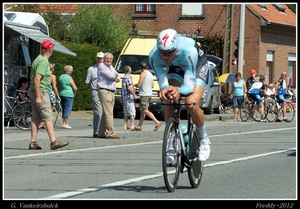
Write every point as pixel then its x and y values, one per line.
pixel 255 92
pixel 39 94
pixel 145 85
pixel 67 91
pixel 22 85
pixel 128 96
pixel 251 79
pixel 107 78
pixel 238 93
pixel 91 81
pixel 280 92
pixel 225 99
pixel 54 95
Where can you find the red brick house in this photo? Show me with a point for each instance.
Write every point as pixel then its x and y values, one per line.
pixel 269 30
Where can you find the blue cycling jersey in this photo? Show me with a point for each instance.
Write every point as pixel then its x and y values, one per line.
pixel 281 90
pixel 186 61
pixel 256 87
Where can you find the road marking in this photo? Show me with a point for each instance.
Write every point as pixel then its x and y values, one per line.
pixel 126 145
pixel 142 178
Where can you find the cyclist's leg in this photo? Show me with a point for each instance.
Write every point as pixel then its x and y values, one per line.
pixel 196 112
pixel 282 102
pixel 175 78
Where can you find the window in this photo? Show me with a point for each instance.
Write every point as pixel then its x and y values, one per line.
pixel 144 9
pixel 269 67
pixel 279 7
pixel 291 72
pixel 192 9
pixel 262 6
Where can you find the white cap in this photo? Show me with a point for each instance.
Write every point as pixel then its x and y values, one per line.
pixel 100 54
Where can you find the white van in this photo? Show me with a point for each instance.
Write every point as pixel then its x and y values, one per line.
pixel 135 51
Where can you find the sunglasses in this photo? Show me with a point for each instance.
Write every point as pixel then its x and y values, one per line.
pixel 168 54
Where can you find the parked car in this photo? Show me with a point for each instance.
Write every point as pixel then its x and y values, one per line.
pixel 211 98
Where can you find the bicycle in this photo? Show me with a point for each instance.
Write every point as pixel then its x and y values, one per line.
pixel 274 109
pixel 250 110
pixel 19 112
pixel 186 153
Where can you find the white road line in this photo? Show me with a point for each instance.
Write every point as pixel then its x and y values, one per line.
pixel 126 145
pixel 134 180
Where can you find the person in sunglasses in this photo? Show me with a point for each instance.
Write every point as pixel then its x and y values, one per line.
pixel 181 68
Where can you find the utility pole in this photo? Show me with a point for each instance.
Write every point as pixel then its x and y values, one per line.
pixel 241 39
pixel 227 48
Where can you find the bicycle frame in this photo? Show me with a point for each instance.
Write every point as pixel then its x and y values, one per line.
pixel 186 153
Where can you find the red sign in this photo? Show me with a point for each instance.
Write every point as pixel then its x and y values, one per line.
pixel 234 62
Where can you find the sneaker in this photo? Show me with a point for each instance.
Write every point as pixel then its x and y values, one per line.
pixel 58 145
pixel 204 149
pixel 263 120
pixel 34 146
pixel 277 120
pixel 170 156
pixel 285 119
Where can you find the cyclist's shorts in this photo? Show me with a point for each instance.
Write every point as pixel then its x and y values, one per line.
pixel 281 99
pixel 257 98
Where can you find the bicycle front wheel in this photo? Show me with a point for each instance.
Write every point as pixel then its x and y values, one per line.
pixel 245 112
pixel 19 116
pixel 290 112
pixel 195 170
pixel 171 170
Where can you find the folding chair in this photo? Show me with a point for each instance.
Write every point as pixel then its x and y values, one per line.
pixel 57 109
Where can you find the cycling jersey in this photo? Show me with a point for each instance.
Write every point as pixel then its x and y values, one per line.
pixel 281 90
pixel 257 87
pixel 189 67
pixel 255 91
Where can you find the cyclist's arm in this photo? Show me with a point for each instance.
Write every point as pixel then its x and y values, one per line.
pixel 190 60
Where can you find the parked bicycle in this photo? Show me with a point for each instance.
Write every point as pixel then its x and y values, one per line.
pixel 16 111
pixel 19 112
pixel 186 151
pixel 274 109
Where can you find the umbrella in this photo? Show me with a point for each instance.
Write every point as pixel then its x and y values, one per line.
pixel 227 78
pixel 214 59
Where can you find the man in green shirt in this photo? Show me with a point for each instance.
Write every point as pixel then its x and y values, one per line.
pixel 39 94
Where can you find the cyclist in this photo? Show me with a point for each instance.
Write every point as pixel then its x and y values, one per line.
pixel 181 68
pixel 280 92
pixel 257 90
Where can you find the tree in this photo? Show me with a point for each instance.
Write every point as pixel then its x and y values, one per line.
pixel 99 25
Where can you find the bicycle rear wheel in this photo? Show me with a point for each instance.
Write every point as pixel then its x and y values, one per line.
pixel 245 112
pixel 171 172
pixel 195 170
pixel 290 113
pixel 271 112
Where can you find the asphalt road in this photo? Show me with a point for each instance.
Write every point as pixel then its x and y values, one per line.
pixel 249 160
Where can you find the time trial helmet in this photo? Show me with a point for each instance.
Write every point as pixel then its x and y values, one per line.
pixel 167 41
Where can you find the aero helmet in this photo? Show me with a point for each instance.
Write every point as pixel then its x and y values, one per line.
pixel 252 71
pixel 167 40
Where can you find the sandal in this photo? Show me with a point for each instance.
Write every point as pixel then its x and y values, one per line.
pixel 157 127
pixel 137 128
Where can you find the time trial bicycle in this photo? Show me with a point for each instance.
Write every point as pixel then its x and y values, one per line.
pixel 185 152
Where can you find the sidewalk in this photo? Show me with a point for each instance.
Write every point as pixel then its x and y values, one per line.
pixel 88 114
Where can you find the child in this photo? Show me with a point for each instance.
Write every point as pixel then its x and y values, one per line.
pixel 128 97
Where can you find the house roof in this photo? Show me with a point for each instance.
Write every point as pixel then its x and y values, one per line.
pixel 273 15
